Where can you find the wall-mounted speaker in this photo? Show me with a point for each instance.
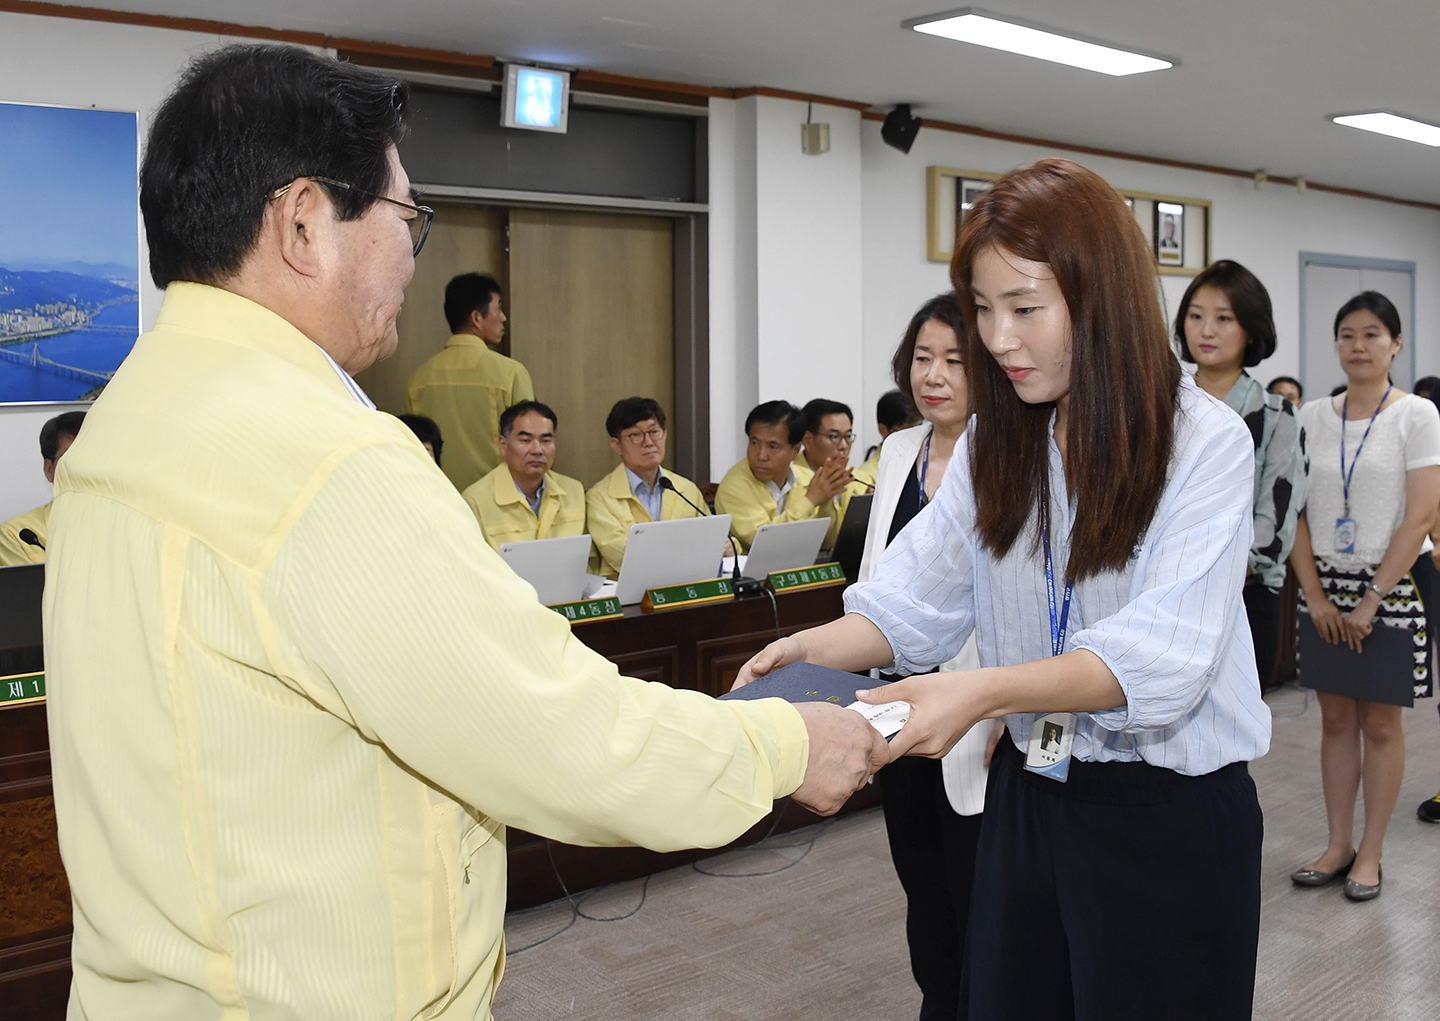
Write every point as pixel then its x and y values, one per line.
pixel 900 128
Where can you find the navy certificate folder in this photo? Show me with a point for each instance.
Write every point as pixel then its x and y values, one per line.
pixel 1382 672
pixel 806 682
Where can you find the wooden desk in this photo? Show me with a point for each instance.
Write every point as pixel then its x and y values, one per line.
pixel 700 648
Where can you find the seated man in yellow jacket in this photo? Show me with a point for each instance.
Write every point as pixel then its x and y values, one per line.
pixel 893 411
pixel 522 498
pixel 633 492
pixel 468 383
pixel 772 484
pixel 56 436
pixel 829 435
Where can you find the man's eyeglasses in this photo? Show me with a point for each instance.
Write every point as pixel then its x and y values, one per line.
pixel 653 435
pixel 419 224
pixel 838 438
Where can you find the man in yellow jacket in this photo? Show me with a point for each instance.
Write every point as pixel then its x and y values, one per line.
pixel 295 698
pixel 771 484
pixel 633 492
pixel 16 547
pixel 523 498
pixel 829 435
pixel 467 384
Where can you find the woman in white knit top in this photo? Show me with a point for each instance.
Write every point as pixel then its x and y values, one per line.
pixel 1362 529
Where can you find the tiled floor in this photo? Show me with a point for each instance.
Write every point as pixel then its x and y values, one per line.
pixel 825 939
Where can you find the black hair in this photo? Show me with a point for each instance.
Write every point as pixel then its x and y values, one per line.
pixel 816 410
pixel 1371 301
pixel 67 424
pixel 944 309
pixel 469 292
pixel 510 414
pixel 1337 391
pixel 244 121
pixel 778 413
pixel 426 431
pixel 1425 385
pixel 1248 300
pixel 1286 379
pixel 632 411
pixel 894 410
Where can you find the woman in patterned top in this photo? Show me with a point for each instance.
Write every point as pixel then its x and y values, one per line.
pixel 1372 499
pixel 1224 325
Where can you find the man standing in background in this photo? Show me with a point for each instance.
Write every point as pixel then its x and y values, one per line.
pixel 466 385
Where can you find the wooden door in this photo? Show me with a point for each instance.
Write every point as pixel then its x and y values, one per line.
pixel 463 239
pixel 592 317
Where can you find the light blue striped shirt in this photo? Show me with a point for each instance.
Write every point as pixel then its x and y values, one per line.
pixel 1170 626
pixel 650 499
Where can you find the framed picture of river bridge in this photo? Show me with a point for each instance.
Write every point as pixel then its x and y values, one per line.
pixel 69 250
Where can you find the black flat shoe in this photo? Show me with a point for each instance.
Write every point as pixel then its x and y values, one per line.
pixel 1314 877
pixel 1359 891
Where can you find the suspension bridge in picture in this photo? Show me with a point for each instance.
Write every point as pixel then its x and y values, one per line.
pixel 35 359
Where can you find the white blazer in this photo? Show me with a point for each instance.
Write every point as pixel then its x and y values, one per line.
pixel 964 767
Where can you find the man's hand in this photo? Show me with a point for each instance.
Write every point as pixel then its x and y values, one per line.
pixel 844 751
pixel 829 482
pixel 775 655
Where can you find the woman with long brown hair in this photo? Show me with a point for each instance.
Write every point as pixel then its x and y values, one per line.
pixel 1092 532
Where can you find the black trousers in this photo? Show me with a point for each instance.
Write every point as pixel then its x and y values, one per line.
pixel 1128 893
pixel 934 853
pixel 1263 608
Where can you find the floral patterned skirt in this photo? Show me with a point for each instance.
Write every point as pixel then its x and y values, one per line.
pixel 1401 608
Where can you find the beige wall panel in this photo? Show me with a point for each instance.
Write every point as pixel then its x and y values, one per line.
pixel 463 239
pixel 592 318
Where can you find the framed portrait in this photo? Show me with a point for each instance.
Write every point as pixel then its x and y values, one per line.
pixel 69 252
pixel 1170 233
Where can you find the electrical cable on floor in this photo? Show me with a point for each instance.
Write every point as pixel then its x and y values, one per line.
pixel 1309 695
pixel 576 911
pixel 763 844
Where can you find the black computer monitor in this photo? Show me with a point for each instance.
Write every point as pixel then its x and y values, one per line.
pixel 21 634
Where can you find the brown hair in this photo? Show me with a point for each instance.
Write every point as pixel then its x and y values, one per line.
pixel 1124 375
pixel 943 309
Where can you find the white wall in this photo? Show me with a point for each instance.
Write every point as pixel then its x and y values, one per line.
pixel 787 325
pixel 1264 230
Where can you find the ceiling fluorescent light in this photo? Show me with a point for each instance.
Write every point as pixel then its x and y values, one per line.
pixel 1392 124
pixel 973 25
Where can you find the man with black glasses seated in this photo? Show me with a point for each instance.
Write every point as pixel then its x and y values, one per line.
pixel 829 436
pixel 633 492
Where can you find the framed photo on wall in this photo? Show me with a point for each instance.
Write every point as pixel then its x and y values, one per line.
pixel 1170 233
pixel 1177 228
pixel 69 250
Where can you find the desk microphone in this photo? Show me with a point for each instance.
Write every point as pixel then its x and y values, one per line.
pixel 743 586
pixel 27 536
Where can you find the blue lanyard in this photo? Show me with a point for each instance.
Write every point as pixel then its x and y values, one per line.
pixel 1058 625
pixel 1344 419
pixel 924 469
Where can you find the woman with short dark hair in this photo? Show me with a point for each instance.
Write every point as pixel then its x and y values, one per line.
pixel 1373 495
pixel 1101 493
pixel 1224 325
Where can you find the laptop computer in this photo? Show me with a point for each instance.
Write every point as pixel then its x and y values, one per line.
pixel 556 567
pixel 784 546
pixel 850 543
pixel 671 553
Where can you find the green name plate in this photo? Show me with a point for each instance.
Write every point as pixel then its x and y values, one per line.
pixel 583 610
pixel 20 688
pixel 807 577
pixel 696 593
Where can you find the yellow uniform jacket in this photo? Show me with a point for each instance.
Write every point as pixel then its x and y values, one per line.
pixel 295 698
pixel 749 503
pixel 505 515
pixel 611 507
pixel 464 387
pixel 14 550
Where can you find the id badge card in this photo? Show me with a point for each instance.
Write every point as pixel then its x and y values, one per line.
pixel 1050 740
pixel 1344 535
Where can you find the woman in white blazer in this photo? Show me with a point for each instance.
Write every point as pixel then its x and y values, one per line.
pixel 932 808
